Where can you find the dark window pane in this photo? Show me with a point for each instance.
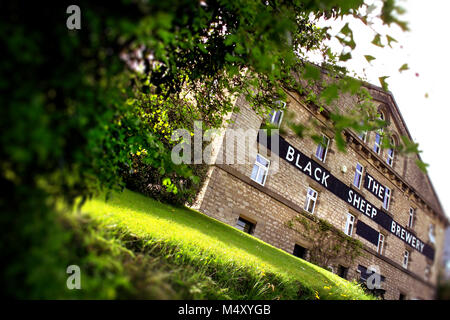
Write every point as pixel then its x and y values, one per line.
pixel 342 272
pixel 299 251
pixel 245 225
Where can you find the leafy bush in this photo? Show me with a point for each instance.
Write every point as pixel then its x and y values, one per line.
pixel 79 105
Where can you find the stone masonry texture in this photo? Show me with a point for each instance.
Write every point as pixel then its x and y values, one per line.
pixel 229 193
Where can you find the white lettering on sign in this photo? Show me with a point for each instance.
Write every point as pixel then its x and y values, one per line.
pixel 311 170
pixel 338 188
pixel 308 168
pixel 315 174
pixel 361 204
pixel 296 162
pixel 324 179
pixel 290 154
pixel 375 187
pixel 407 236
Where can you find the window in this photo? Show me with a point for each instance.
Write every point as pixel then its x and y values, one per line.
pixel 380 243
pixel 377 144
pixel 387 198
pixel 245 225
pixel 390 157
pixel 322 148
pixel 358 175
pixel 311 198
pixel 349 224
pixel 411 217
pixel 260 169
pixel 390 154
pixel 299 251
pixel 275 117
pixel 431 233
pixel 365 273
pixel 406 259
pixel 428 271
pixel 342 272
pixel 363 136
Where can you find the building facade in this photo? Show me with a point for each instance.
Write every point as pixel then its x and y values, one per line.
pixel 371 194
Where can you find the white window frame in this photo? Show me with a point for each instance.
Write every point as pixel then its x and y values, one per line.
pixel 412 213
pixel 283 104
pixel 360 172
pixel 428 271
pixel 275 111
pixel 377 144
pixel 380 245
pixel 311 197
pixel 272 118
pixel 432 233
pixel 390 157
pixel 349 225
pixel 261 168
pixel 405 259
pixel 363 136
pixel 387 195
pixel 320 146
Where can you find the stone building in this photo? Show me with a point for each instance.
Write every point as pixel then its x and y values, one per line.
pixel 371 194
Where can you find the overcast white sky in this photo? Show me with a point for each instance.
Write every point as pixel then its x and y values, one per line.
pixel 426 48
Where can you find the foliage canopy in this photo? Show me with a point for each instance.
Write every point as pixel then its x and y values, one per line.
pixel 82 108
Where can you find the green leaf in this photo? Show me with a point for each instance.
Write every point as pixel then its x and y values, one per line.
pixel 298 128
pixel 347 36
pixel 369 58
pixel 404 67
pixel 230 39
pixel 311 72
pixel 422 165
pixel 345 56
pixel 340 141
pixel 202 48
pixel 330 93
pixel 377 41
pixel 390 40
pixel 346 30
pixel 383 82
pixel 351 85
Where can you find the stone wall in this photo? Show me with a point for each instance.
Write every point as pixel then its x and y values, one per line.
pixel 229 193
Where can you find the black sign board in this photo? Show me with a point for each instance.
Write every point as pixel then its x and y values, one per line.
pixel 367 232
pixel 315 171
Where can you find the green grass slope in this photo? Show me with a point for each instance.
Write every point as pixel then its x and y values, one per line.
pixel 237 264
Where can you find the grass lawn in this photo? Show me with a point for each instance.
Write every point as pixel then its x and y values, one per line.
pixel 228 256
